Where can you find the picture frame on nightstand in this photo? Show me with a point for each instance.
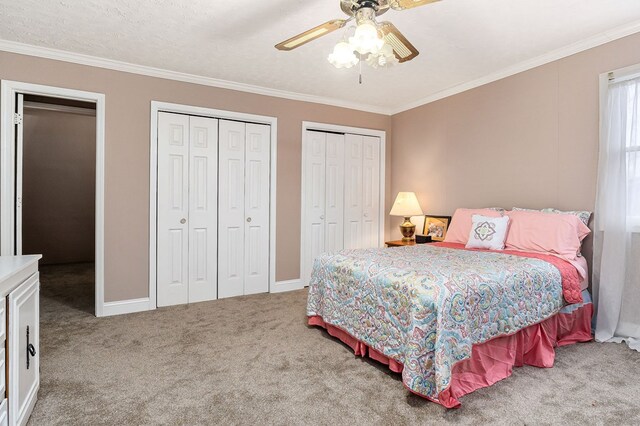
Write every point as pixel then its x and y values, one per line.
pixel 436 227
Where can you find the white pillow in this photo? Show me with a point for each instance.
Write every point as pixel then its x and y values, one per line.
pixel 488 232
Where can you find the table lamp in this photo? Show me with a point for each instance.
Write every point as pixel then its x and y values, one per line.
pixel 406 205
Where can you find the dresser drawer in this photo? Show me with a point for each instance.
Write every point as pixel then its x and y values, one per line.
pixel 3 378
pixel 3 320
pixel 4 418
pixel 3 353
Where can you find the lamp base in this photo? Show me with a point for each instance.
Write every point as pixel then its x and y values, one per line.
pixel 407 229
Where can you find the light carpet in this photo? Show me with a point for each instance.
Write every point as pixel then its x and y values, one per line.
pixel 253 360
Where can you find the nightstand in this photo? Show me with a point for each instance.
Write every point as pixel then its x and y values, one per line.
pixel 400 243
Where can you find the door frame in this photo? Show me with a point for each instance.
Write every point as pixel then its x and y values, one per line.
pixel 8 91
pixel 156 107
pixel 324 127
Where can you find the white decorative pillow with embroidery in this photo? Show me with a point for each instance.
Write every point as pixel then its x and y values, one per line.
pixel 488 232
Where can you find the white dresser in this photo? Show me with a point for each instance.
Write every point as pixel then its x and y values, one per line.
pixel 19 334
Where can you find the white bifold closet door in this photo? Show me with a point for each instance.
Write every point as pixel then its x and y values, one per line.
pixel 341 194
pixel 362 192
pixel 324 196
pixel 243 194
pixel 187 209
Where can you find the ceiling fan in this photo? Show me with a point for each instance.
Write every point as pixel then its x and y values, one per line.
pixel 382 43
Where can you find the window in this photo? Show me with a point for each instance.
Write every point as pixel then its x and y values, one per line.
pixel 617 214
pixel 633 157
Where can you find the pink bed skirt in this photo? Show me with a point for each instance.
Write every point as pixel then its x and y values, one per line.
pixel 493 360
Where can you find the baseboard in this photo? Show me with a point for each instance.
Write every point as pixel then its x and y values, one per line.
pixel 138 305
pixel 287 285
pixel 125 306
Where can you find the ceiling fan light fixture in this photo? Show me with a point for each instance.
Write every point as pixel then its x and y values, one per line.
pixel 377 44
pixel 366 38
pixel 343 56
pixel 384 58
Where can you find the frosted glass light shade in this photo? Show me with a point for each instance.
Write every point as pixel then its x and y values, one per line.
pixel 406 205
pixel 343 56
pixel 384 58
pixel 366 39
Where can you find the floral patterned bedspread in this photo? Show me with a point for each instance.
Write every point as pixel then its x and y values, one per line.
pixel 425 306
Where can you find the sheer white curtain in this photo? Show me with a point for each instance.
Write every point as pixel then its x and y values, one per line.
pixel 616 283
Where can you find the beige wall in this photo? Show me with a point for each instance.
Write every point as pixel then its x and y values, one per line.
pixel 128 98
pixel 58 209
pixel 530 140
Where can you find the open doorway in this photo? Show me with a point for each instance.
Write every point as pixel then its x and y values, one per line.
pixel 57 204
pixel 52 187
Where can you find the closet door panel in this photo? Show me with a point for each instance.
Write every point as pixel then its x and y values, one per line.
pixel 334 194
pixel 314 199
pixel 370 192
pixel 173 209
pixel 231 208
pixel 203 209
pixel 353 187
pixel 256 208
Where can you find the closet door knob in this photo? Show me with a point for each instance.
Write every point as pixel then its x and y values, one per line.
pixel 248 219
pixel 366 215
pixel 322 217
pixel 183 221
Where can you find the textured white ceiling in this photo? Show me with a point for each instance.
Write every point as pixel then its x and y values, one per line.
pixel 459 40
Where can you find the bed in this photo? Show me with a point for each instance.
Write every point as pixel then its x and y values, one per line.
pixel 450 320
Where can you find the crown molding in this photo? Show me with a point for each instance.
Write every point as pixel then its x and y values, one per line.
pixel 554 55
pixel 94 61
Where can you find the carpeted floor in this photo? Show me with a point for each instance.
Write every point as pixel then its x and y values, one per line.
pixel 252 360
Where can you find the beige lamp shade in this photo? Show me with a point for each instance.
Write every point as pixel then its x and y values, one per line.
pixel 406 205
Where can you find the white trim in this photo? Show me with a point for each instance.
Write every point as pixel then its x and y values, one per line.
pixel 603 81
pixel 622 74
pixel 156 107
pixel 310 125
pixel 273 185
pixel 59 108
pixel 94 61
pixel 126 306
pixel 546 58
pixel 7 100
pixel 287 285
pixel 153 207
pixel 18 173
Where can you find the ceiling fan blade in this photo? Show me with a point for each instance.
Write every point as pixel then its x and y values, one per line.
pixel 408 4
pixel 311 34
pixel 403 50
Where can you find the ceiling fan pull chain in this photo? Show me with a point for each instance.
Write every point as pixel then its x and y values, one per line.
pixel 360 76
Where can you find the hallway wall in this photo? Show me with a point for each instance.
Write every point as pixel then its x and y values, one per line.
pixel 59 186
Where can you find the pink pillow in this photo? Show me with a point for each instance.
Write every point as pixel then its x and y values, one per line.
pixel 461 222
pixel 559 234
